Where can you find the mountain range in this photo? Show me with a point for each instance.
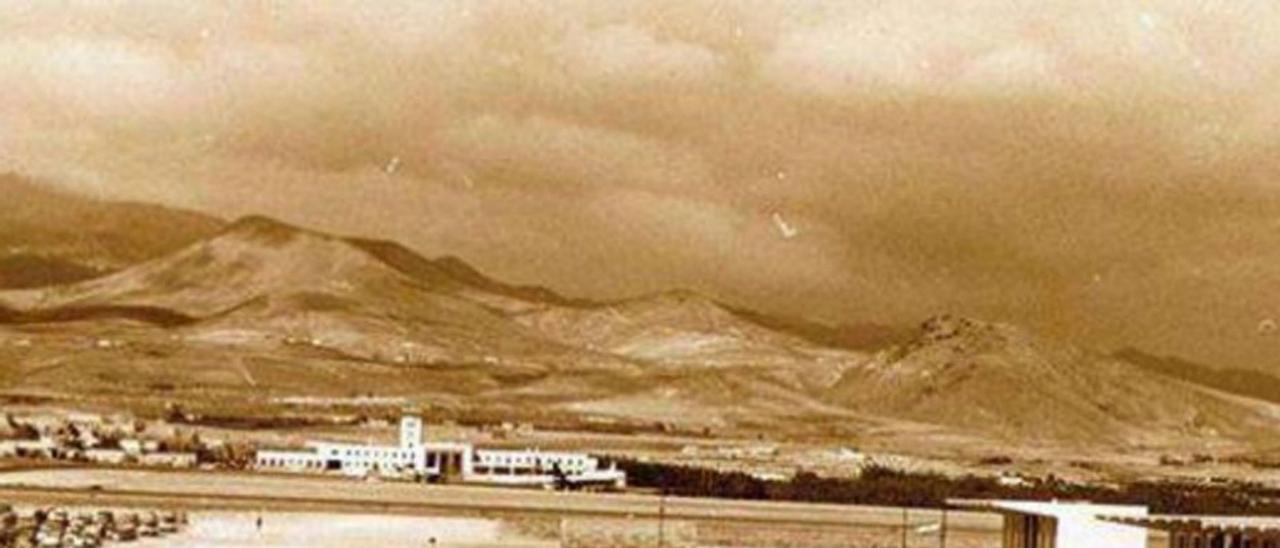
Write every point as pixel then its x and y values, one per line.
pixel 51 237
pixel 256 309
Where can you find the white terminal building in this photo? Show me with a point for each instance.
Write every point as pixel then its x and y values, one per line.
pixel 445 461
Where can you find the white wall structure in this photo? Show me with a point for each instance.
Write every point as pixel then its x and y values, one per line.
pixel 443 461
pixel 1033 524
pixel 533 467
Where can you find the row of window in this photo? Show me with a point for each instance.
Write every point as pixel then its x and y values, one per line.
pixel 291 462
pixel 371 453
pixel 486 459
pixel 499 471
pixel 528 460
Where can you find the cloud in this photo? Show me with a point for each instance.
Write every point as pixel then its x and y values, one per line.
pixel 562 155
pixel 1012 71
pixel 834 61
pixel 628 55
pixel 861 51
pixel 986 158
pixel 98 78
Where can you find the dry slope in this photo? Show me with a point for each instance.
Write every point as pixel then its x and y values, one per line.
pixel 1002 381
pixel 49 237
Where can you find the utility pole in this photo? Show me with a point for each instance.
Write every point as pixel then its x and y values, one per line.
pixel 904 527
pixel 942 529
pixel 662 513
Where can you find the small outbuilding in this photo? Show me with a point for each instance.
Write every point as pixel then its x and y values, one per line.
pixel 106 456
pixel 169 460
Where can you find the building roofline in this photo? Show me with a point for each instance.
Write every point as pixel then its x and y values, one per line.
pixel 1267 527
pixel 1049 508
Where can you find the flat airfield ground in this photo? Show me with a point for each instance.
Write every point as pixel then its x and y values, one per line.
pixel 719 522
pixel 223 529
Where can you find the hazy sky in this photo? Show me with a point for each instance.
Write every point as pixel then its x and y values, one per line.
pixel 1099 170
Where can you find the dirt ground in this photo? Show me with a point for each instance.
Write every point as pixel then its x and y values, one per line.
pixel 341 508
pixel 331 512
pixel 279 489
pixel 289 529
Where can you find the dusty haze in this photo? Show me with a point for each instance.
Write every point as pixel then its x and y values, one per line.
pixel 1104 171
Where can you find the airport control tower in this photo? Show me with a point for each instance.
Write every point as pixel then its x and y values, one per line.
pixel 410 431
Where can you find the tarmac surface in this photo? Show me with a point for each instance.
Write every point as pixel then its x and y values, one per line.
pixel 242 489
pixel 329 502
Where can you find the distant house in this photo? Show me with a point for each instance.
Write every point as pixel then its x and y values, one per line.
pixel 106 456
pixel 1012 480
pixel 85 419
pixel 87 438
pixel 137 447
pixel 771 476
pixel 44 447
pixel 730 452
pixel 849 454
pixel 131 446
pixel 170 460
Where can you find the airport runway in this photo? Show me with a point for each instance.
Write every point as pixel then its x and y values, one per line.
pixel 273 492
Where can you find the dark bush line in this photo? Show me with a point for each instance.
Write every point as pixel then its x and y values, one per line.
pixel 156 316
pixel 882 486
pixel 237 422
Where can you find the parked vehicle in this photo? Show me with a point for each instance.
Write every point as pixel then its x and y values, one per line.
pixel 168 522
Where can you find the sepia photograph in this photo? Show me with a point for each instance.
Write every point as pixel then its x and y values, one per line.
pixel 640 273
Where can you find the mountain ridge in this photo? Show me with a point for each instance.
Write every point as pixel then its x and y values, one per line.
pixel 1245 382
pixel 59 237
pixel 1006 380
pixel 260 292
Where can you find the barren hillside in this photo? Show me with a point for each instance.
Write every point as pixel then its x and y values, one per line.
pixel 686 330
pixel 262 292
pixel 49 237
pixel 1004 381
pixel 262 308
